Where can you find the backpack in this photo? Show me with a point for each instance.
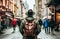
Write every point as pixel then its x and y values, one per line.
pixel 29 28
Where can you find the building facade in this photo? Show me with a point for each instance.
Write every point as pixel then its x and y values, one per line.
pixel 54 6
pixel 36 8
pixel 6 7
pixel 22 9
pixel 41 8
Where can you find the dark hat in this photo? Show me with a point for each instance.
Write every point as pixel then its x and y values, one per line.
pixel 30 12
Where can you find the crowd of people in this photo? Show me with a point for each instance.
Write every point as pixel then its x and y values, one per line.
pixel 49 25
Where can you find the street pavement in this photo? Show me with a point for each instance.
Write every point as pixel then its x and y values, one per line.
pixel 9 35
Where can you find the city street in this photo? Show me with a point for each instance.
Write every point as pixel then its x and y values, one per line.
pixel 9 35
pixel 29 14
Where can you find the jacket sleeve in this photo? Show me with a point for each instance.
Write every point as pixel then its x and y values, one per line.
pixel 22 28
pixel 38 28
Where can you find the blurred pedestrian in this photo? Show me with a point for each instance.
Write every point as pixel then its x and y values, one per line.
pixel 40 22
pixel 52 25
pixel 45 24
pixel 0 26
pixel 19 22
pixel 10 25
pixel 49 26
pixel 3 24
pixel 14 23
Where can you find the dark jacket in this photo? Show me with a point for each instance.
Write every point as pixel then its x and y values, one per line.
pixel 40 22
pixel 52 24
pixel 18 22
pixel 3 23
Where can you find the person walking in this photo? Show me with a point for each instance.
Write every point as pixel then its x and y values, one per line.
pixel 19 22
pixel 45 24
pixel 14 23
pixel 3 24
pixel 40 22
pixel 51 25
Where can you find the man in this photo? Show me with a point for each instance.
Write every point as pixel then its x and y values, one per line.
pixel 19 22
pixel 29 27
pixel 52 25
pixel 3 24
pixel 40 22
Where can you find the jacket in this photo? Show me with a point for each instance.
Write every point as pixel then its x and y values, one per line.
pixel 14 22
pixel 45 23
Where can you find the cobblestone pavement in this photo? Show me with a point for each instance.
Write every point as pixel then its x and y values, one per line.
pixel 9 35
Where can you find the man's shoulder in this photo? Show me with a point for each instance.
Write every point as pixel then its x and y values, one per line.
pixel 23 20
